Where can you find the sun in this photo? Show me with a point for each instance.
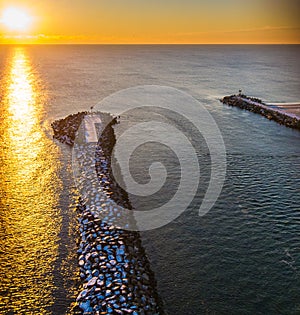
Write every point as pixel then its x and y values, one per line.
pixel 15 19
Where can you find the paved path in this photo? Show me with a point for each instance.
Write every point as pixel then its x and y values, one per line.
pixel 90 130
pixel 290 108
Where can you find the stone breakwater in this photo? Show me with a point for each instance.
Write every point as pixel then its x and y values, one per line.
pixel 115 273
pixel 255 105
pixel 65 129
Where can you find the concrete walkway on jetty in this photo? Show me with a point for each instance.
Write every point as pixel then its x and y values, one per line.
pixel 276 107
pixel 289 108
pixel 90 130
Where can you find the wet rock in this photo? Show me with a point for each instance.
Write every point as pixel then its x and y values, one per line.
pixel 86 306
pixel 81 263
pixel 65 129
pixel 92 282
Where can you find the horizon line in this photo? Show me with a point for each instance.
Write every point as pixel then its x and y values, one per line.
pixel 132 44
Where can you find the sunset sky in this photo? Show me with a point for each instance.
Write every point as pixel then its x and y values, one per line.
pixel 150 21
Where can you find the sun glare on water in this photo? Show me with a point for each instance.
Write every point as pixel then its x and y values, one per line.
pixel 15 19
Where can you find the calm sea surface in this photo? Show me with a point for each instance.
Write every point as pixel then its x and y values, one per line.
pixel 243 257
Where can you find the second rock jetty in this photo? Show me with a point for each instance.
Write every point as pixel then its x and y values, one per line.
pixel 257 106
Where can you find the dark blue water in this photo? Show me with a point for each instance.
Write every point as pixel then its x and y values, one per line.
pixel 243 257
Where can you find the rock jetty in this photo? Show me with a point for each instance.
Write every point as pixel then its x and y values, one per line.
pixel 65 129
pixel 257 106
pixel 115 272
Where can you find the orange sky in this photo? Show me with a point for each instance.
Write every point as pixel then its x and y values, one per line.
pixel 156 21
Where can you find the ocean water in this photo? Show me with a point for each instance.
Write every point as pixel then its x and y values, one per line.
pixel 243 257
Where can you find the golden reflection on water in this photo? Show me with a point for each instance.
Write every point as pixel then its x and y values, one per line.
pixel 29 216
